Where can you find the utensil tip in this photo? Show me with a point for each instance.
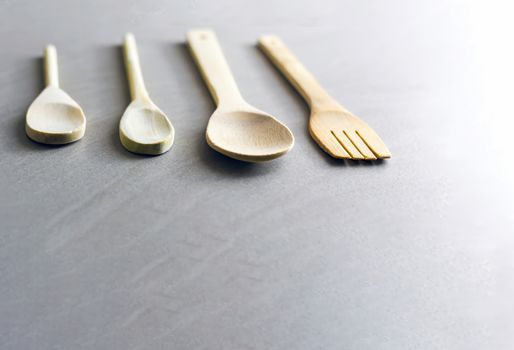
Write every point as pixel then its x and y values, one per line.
pixel 129 36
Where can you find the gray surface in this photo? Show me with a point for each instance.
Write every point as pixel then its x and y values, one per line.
pixel 103 249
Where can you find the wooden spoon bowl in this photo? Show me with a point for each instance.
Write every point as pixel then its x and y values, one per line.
pixel 248 135
pixel 145 129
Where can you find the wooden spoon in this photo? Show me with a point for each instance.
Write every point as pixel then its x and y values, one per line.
pixel 54 117
pixel 144 128
pixel 235 129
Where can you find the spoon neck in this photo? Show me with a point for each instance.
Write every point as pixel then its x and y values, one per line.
pixel 144 100
pixel 50 64
pixel 140 94
pixel 228 98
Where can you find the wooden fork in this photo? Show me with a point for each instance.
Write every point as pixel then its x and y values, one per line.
pixel 336 130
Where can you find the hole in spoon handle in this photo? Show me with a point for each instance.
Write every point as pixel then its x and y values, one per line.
pixel 51 69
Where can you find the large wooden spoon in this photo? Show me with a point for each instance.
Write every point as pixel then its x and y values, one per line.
pixel 144 128
pixel 235 129
pixel 54 117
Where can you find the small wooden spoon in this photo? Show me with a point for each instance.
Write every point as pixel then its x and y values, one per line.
pixel 54 117
pixel 235 129
pixel 144 128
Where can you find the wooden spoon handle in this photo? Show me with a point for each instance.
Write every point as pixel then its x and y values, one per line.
pixel 215 71
pixel 296 73
pixel 133 67
pixel 50 64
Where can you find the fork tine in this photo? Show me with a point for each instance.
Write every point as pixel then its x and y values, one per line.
pixel 330 145
pixel 360 145
pixel 374 142
pixel 347 144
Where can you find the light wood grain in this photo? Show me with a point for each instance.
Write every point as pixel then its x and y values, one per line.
pixel 143 128
pixel 54 117
pixel 336 130
pixel 235 129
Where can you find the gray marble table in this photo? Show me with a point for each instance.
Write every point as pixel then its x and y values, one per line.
pixel 104 249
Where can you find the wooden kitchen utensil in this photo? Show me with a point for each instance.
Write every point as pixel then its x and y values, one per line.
pixel 336 130
pixel 54 117
pixel 235 129
pixel 144 128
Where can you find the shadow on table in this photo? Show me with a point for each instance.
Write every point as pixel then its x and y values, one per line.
pixel 224 165
pixel 28 144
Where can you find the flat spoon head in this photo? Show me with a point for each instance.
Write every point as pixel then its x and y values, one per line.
pixel 251 136
pixel 55 118
pixel 145 129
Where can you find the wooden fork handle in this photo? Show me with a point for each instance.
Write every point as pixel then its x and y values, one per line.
pixel 296 73
pixel 214 68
